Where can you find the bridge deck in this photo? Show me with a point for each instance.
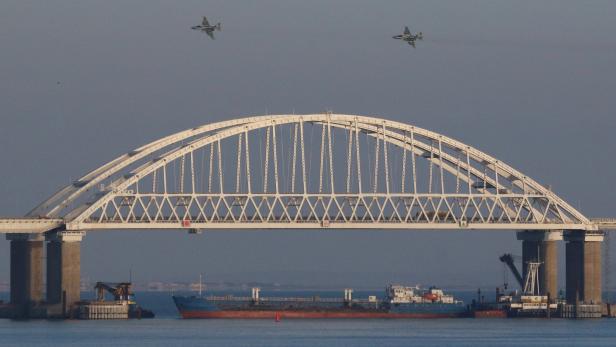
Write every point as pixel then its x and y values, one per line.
pixel 37 226
pixel 42 225
pixel 605 223
pixel 29 225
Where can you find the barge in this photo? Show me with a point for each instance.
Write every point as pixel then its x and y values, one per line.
pixel 123 305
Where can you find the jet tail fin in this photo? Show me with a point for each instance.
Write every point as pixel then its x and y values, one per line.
pixel 218 26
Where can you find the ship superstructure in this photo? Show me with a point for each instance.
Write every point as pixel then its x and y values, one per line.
pixel 397 294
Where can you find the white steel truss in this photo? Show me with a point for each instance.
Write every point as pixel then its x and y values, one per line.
pixel 308 171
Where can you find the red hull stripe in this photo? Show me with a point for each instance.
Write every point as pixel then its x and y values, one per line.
pixel 308 314
pixel 491 314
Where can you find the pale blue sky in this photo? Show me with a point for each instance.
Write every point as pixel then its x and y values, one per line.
pixel 530 82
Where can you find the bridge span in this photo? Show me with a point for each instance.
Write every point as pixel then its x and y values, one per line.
pixel 314 171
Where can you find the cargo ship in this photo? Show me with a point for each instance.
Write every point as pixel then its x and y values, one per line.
pixel 399 302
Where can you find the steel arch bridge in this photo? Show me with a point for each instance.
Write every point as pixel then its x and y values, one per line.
pixel 305 171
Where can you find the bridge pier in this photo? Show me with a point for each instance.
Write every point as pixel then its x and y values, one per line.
pixel 583 279
pixel 63 272
pixel 26 271
pixel 541 246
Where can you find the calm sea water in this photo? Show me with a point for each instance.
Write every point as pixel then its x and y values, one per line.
pixel 167 329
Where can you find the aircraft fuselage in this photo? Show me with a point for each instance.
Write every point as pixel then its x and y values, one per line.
pixel 406 37
pixel 204 28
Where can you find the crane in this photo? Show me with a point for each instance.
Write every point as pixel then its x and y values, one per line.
pixel 120 291
pixel 507 259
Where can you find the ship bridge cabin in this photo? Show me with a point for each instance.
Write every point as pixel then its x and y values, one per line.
pixel 397 294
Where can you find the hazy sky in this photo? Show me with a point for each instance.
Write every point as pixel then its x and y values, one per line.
pixel 531 82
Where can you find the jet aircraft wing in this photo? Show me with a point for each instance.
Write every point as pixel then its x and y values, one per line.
pixel 205 23
pixel 210 33
pixel 406 30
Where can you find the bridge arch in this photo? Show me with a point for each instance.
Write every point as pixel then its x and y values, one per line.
pixel 275 172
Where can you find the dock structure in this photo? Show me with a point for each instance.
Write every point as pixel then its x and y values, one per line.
pixel 103 310
pixel 582 311
pixel 179 182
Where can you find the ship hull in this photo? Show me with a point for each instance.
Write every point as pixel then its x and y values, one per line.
pixel 194 307
pixel 310 315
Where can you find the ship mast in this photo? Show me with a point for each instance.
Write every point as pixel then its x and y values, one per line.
pixel 531 287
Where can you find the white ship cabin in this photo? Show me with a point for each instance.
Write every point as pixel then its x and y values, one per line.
pixel 532 302
pixel 437 295
pixel 398 294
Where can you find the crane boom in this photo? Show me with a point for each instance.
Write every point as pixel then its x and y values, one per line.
pixel 508 260
pixel 120 291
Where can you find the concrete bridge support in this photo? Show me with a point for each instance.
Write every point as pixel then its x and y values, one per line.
pixel 26 271
pixel 583 267
pixel 541 246
pixel 63 272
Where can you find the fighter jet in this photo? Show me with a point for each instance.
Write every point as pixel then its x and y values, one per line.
pixel 207 28
pixel 409 37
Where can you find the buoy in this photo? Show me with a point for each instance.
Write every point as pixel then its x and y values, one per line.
pixel 277 318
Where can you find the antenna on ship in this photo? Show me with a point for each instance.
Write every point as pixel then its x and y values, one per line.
pixel 200 284
pixel 531 286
